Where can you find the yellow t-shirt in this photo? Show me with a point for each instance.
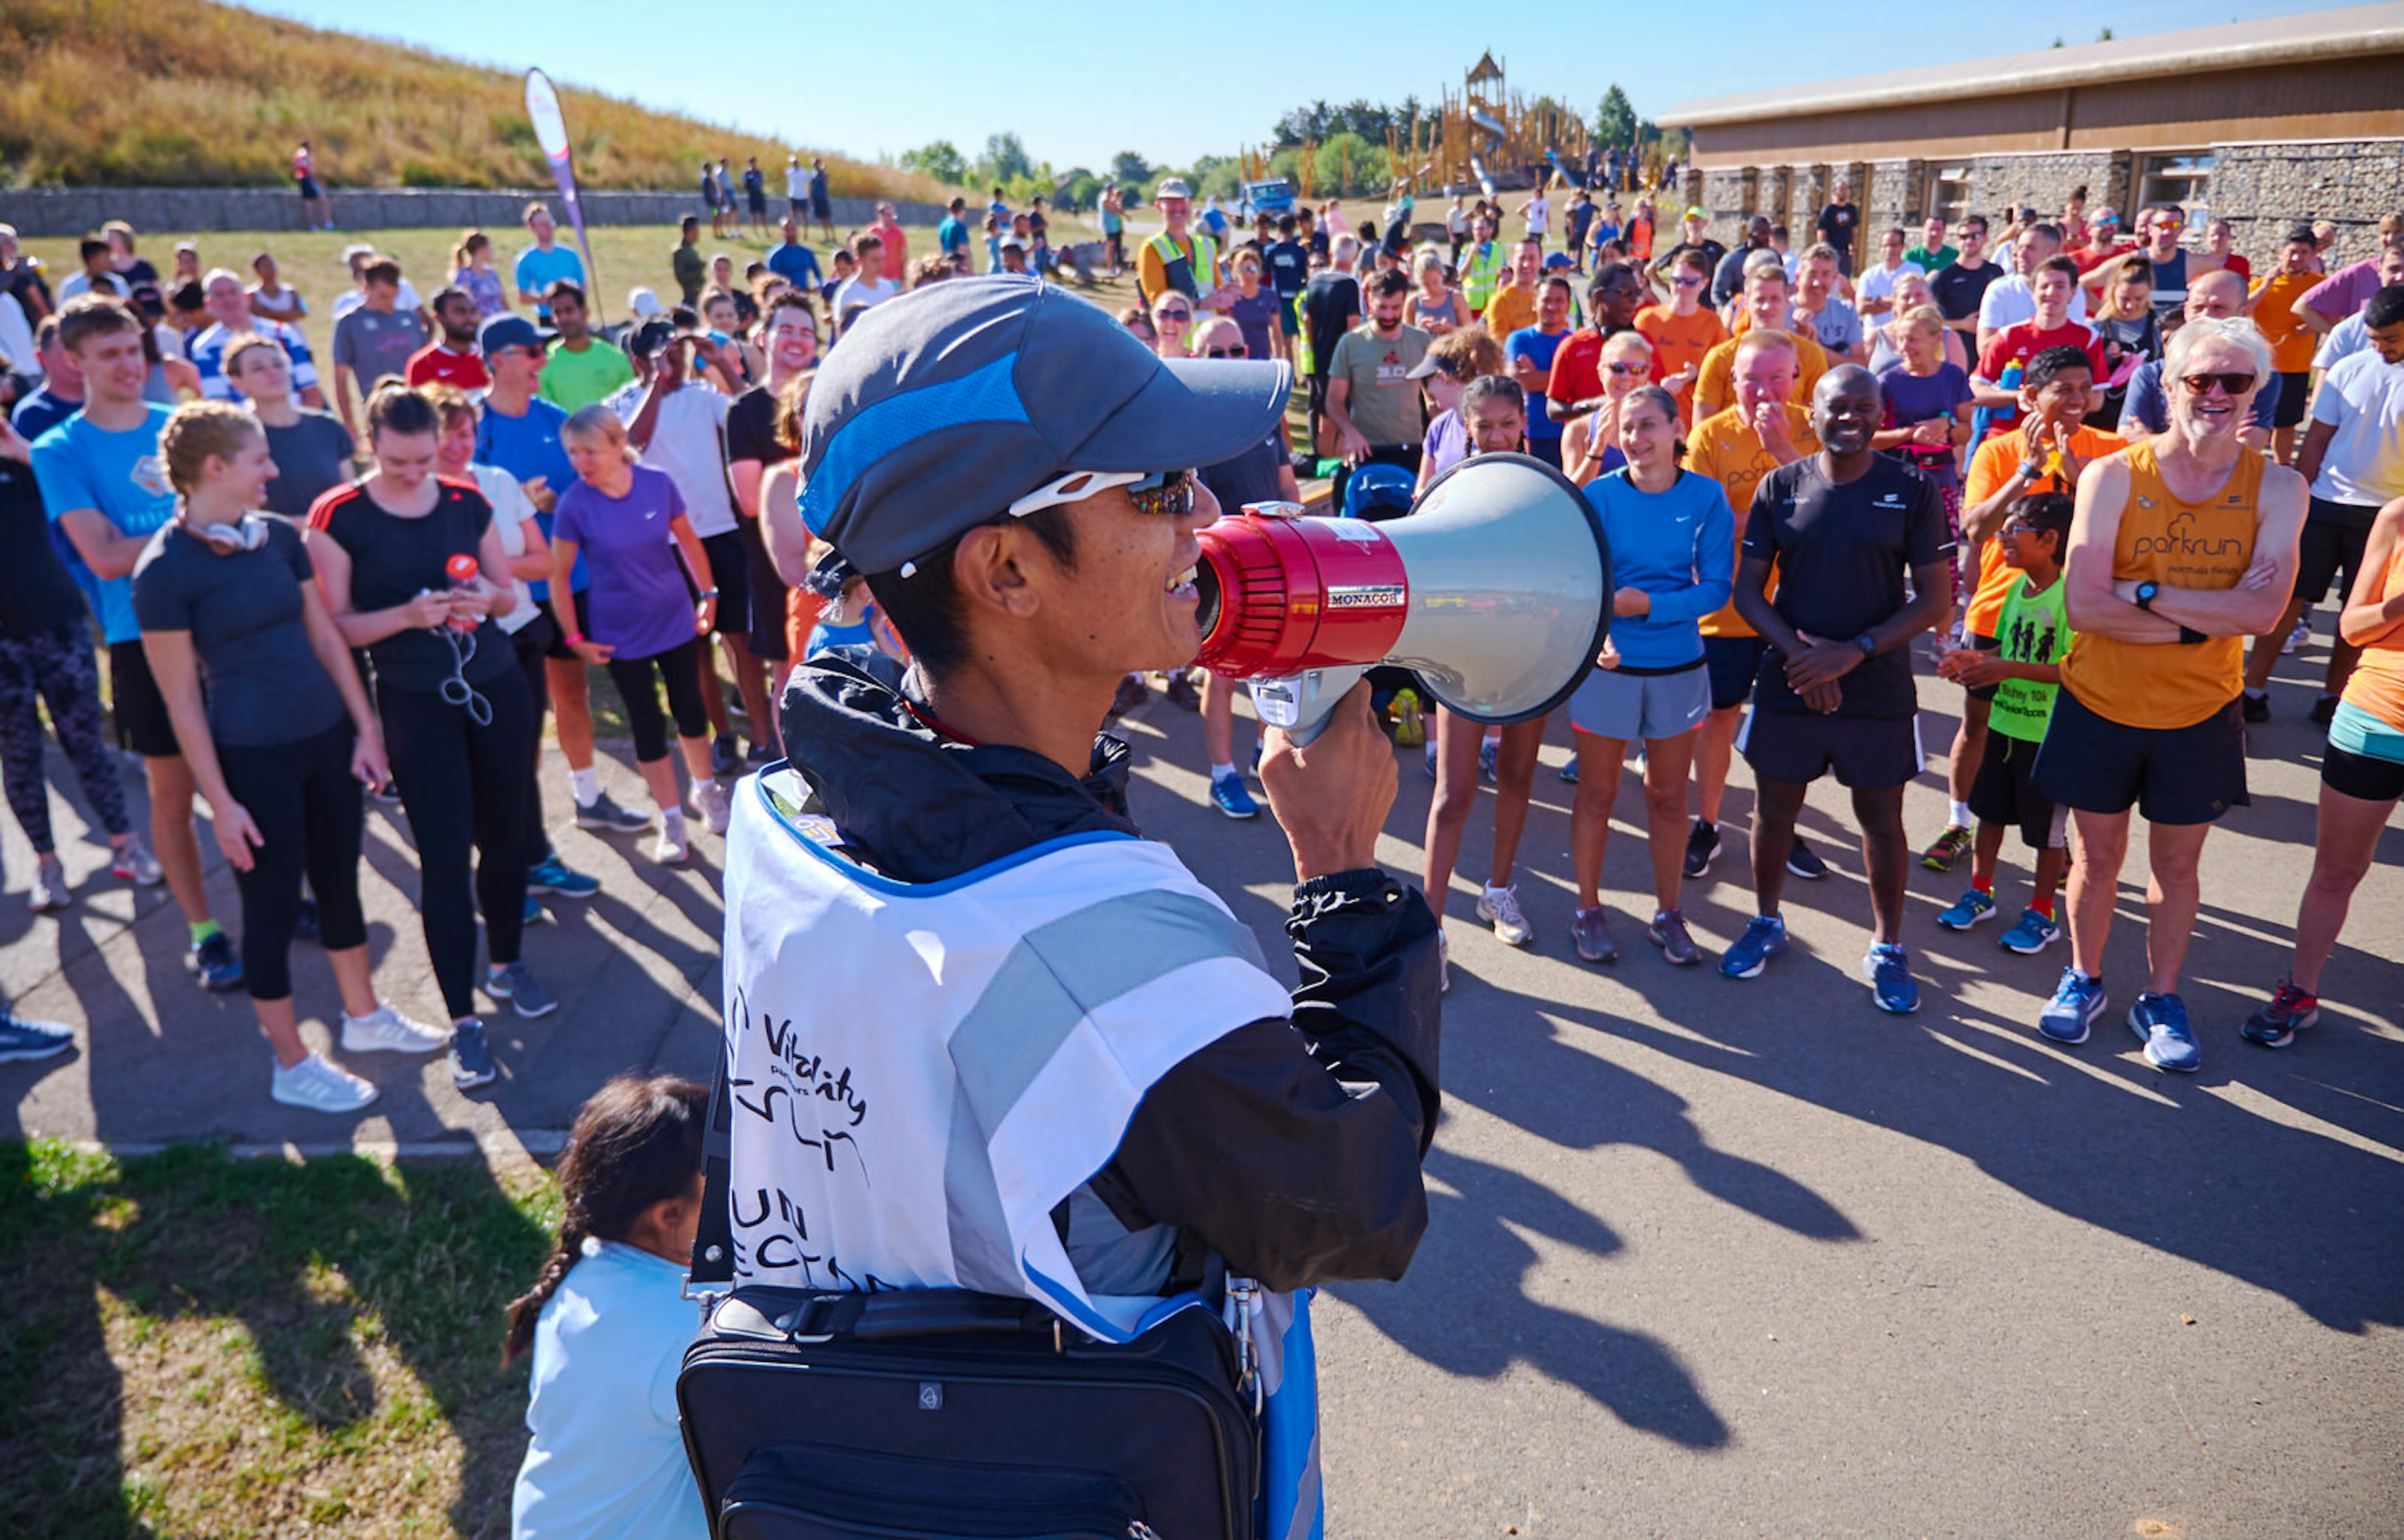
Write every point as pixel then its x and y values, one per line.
pixel 1511 308
pixel 1991 464
pixel 2205 544
pixel 1716 388
pixel 1727 449
pixel 2292 340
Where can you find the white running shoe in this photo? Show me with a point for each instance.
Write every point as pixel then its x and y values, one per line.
pixel 1499 908
pixel 671 849
pixel 708 801
pixel 320 1087
pixel 386 1031
pixel 2300 635
pixel 49 894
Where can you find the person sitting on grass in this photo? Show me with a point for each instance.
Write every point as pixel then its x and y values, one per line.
pixel 608 1327
pixel 2024 667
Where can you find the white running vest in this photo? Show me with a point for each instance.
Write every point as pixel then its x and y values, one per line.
pixel 921 1073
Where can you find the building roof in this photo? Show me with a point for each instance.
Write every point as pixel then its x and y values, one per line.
pixel 2348 33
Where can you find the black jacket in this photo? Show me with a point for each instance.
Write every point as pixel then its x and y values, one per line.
pixel 1290 1148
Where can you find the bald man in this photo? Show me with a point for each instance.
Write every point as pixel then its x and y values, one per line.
pixel 2218 295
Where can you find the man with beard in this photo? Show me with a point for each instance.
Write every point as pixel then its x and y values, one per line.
pixel 1371 398
pixel 450 358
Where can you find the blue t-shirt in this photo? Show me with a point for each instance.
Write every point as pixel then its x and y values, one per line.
pixel 123 476
pixel 641 604
pixel 797 264
pixel 39 413
pixel 1288 267
pixel 606 1456
pixel 951 235
pixel 538 270
pixel 1538 347
pixel 527 447
pixel 1680 547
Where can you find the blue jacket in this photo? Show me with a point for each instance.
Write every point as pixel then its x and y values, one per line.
pixel 1678 546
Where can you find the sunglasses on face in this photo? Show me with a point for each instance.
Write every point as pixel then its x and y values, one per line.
pixel 1180 316
pixel 1624 370
pixel 1162 492
pixel 2233 384
pixel 1238 351
pixel 1689 281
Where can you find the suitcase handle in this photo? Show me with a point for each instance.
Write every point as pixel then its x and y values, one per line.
pixel 925 1313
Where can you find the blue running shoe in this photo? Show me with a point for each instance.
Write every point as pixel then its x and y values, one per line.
pixel 2076 1001
pixel 551 874
pixel 471 1057
pixel 1968 910
pixel 21 1039
pixel 1227 794
pixel 1765 937
pixel 2291 1011
pixel 1888 967
pixel 2036 931
pixel 2161 1021
pixel 1487 754
pixel 214 964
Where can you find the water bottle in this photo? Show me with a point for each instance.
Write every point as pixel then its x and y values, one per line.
pixel 1409 725
pixel 1984 417
pixel 461 569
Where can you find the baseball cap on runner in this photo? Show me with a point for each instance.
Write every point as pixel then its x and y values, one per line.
pixel 943 407
pixel 1173 188
pixel 504 331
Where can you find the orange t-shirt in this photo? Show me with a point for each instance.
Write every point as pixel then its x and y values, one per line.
pixel 1727 449
pixel 2292 342
pixel 2377 683
pixel 1680 342
pixel 1990 465
pixel 2165 538
pixel 1716 387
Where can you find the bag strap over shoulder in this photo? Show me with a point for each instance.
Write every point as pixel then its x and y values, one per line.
pixel 712 1270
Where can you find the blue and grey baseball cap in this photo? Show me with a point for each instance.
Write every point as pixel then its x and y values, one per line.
pixel 941 408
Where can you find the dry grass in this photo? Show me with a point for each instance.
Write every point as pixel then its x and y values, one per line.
pixel 190 1346
pixel 188 94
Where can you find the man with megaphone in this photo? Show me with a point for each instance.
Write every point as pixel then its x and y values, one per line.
pixel 1076 1081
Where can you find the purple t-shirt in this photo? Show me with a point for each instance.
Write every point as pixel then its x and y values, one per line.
pixel 1916 398
pixel 2345 291
pixel 638 603
pixel 1447 439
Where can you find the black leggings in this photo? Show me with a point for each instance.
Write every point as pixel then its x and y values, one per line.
pixel 681 666
pixel 464 785
pixel 533 640
pixel 306 805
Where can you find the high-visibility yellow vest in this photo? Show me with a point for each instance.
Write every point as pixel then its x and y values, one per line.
pixel 1199 273
pixel 1481 274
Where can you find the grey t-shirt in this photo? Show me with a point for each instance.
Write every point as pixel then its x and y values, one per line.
pixel 311 455
pixel 264 683
pixel 1384 403
pixel 374 343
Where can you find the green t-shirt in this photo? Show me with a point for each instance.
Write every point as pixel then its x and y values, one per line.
pixel 1932 262
pixel 1384 400
pixel 575 380
pixel 2032 628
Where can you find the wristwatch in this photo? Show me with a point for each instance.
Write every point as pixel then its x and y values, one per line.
pixel 1868 643
pixel 2145 594
pixel 2032 470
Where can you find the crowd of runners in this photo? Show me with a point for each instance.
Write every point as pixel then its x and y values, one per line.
pixel 2077 468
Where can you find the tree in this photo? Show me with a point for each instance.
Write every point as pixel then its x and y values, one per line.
pixel 941 161
pixel 1128 167
pixel 1079 189
pixel 1615 122
pixel 1005 159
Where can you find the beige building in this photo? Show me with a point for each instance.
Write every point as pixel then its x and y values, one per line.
pixel 2261 122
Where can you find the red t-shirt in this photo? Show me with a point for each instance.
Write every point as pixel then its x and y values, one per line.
pixel 436 363
pixel 2019 344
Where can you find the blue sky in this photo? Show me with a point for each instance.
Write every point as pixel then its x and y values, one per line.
pixel 1172 82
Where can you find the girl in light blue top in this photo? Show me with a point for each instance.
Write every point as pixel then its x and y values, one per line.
pixel 608 1327
pixel 1672 540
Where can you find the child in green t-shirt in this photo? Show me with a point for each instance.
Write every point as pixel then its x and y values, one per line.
pixel 2025 668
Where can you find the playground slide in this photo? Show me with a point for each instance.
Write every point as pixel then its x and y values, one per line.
pixel 1565 173
pixel 1478 164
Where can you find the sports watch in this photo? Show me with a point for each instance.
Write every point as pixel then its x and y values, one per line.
pixel 1868 643
pixel 2145 594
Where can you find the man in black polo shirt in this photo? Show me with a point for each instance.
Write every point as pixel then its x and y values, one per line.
pixel 1845 528
pixel 1331 306
pixel 1960 286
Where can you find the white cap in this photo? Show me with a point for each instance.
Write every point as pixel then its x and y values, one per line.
pixel 642 302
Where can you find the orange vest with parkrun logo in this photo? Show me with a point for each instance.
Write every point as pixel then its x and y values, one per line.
pixel 2204 544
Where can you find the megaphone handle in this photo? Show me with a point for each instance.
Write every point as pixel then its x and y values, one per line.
pixel 1299 705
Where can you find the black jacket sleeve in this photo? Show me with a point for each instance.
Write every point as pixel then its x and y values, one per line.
pixel 1292 1148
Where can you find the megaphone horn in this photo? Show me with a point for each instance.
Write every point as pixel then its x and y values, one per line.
pixel 1495 590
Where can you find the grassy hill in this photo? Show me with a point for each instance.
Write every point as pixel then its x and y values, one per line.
pixel 188 93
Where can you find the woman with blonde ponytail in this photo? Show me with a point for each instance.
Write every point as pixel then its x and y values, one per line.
pixel 607 1324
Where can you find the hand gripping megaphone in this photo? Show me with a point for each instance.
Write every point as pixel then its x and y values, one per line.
pixel 1495 589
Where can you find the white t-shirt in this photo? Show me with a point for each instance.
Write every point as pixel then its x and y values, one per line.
pixel 351 298
pixel 79 284
pixel 689 443
pixel 2362 398
pixel 2344 340
pixel 1878 283
pixel 1540 215
pixel 17 338
pixel 852 294
pixel 797 184
pixel 2010 301
pixel 512 511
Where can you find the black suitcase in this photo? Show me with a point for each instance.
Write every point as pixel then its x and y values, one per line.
pixel 937 1414
pixel 942 1414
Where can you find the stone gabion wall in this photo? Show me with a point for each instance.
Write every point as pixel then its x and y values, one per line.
pixel 2263 189
pixel 2002 182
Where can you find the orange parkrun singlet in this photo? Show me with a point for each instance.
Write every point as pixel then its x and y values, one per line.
pixel 2377 684
pixel 2205 544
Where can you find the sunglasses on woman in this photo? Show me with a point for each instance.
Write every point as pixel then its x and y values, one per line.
pixel 1180 316
pixel 1624 369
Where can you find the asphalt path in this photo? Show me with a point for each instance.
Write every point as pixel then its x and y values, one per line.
pixel 1705 1257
